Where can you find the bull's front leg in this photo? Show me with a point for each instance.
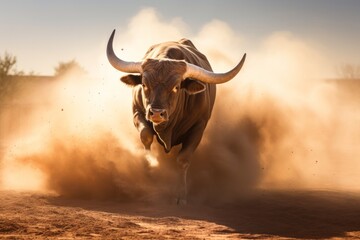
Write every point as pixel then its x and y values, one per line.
pixel 183 160
pixel 145 130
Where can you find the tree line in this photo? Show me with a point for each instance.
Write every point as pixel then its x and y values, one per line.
pixel 8 67
pixel 9 72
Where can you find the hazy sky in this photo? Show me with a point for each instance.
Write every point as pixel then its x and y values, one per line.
pixel 40 33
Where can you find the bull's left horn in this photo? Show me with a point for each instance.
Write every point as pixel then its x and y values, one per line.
pixel 121 65
pixel 198 73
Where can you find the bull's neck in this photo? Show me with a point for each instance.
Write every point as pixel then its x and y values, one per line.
pixel 165 131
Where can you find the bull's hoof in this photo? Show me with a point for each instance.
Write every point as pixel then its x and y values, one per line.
pixel 181 201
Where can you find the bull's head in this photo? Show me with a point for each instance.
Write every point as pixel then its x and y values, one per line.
pixel 163 80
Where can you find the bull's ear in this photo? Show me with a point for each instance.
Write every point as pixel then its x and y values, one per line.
pixel 193 86
pixel 131 80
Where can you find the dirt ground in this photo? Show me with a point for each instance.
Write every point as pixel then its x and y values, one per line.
pixel 263 214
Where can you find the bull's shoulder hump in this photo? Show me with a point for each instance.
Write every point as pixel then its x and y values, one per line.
pixel 187 42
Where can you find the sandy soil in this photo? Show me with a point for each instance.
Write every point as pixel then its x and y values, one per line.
pixel 260 215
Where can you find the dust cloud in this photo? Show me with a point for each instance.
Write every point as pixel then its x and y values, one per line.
pixel 278 124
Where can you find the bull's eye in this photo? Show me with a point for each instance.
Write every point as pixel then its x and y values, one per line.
pixel 144 86
pixel 176 89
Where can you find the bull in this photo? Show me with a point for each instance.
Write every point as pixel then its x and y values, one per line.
pixel 174 91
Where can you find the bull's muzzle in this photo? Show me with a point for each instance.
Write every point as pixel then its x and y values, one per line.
pixel 157 116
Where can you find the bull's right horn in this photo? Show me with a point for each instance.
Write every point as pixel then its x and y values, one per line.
pixel 123 66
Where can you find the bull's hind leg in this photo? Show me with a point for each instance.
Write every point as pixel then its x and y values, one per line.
pixel 188 147
pixel 183 166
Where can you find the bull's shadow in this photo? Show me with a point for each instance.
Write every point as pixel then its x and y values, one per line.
pixel 285 213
